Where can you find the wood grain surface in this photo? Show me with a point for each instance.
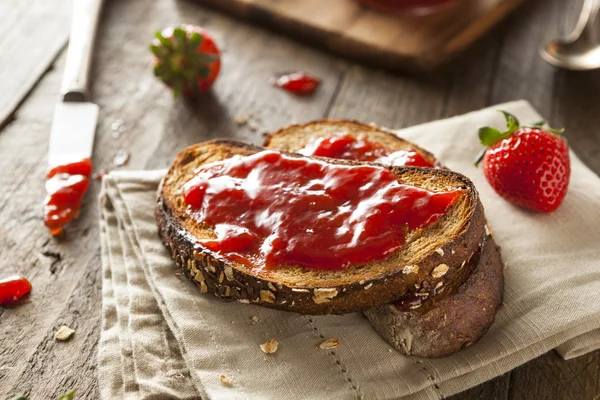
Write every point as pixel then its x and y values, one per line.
pixel 65 274
pixel 383 39
pixel 32 33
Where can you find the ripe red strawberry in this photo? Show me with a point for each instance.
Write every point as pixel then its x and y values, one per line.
pixel 528 166
pixel 187 59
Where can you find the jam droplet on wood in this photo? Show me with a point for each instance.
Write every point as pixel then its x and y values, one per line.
pixel 13 289
pixel 298 83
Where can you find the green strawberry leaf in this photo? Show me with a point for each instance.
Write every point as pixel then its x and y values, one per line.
pixel 177 88
pixel 200 58
pixel 193 84
pixel 556 131
pixel 195 41
pixel 539 124
pixel 158 51
pixel 488 136
pixel 159 70
pixel 164 41
pixel 68 396
pixel 180 38
pixel 512 123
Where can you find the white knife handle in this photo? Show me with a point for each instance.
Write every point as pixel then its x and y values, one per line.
pixel 84 23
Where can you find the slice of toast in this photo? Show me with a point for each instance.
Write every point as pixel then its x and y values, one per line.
pixel 427 326
pixel 294 137
pixel 430 256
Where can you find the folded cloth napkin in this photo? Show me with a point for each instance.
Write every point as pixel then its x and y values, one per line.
pixel 161 338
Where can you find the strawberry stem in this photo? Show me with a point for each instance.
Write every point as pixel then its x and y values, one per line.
pixel 489 136
pixel 179 63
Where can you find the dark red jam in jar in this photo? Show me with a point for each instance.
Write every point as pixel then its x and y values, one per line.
pixel 348 147
pixel 270 209
pixel 66 185
pixel 13 289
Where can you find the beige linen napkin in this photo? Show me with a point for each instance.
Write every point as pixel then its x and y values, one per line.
pixel 161 338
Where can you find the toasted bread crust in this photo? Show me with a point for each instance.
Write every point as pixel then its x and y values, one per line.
pixel 452 323
pixel 231 281
pixel 294 137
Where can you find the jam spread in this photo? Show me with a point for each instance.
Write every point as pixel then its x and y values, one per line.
pixel 271 209
pixel 347 147
pixel 13 289
pixel 298 83
pixel 65 187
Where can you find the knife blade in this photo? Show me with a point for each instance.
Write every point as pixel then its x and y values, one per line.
pixel 74 123
pixel 72 134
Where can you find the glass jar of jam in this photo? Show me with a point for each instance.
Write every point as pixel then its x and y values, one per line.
pixel 414 7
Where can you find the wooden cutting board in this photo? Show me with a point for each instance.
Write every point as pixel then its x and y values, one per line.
pixel 396 42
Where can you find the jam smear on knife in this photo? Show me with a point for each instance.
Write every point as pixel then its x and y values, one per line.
pixel 66 185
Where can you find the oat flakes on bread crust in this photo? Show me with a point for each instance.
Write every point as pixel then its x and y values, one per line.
pixel 314 291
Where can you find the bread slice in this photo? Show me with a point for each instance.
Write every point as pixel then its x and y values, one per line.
pixel 452 323
pixel 430 256
pixel 431 324
pixel 295 137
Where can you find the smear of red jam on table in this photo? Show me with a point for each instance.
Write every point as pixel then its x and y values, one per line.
pixel 348 147
pixel 271 209
pixel 297 82
pixel 65 187
pixel 13 289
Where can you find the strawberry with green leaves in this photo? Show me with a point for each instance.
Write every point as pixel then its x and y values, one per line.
pixel 186 59
pixel 529 166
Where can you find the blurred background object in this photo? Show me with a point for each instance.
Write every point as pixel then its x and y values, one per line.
pixel 367 31
pixel 580 50
pixel 412 7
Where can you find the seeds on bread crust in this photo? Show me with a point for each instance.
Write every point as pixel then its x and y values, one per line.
pixel 439 271
pixel 324 295
pixel 198 277
pixel 410 269
pixel 228 273
pixel 267 296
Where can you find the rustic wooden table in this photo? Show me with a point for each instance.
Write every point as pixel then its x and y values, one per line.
pixel 65 274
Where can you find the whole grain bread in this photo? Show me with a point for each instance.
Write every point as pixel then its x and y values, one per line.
pixel 431 256
pixel 452 323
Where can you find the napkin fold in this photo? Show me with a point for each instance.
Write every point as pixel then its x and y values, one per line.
pixel 161 338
